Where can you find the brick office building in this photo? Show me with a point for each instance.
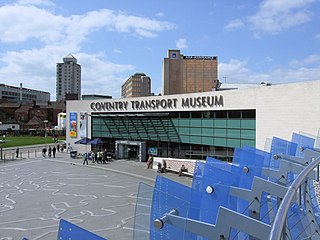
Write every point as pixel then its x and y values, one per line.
pixel 189 74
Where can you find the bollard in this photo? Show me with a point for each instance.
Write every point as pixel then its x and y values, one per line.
pixel 28 154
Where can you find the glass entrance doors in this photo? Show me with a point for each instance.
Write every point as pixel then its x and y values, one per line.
pixel 131 150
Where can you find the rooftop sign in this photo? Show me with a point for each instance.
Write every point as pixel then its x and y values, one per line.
pixel 201 57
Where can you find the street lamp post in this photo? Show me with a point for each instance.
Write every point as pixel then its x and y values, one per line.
pixel 1 144
pixel 45 131
pixel 1 148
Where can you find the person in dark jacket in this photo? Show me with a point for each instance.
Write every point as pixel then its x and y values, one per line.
pixel 17 152
pixel 164 166
pixel 44 151
pixel 54 151
pixel 49 151
pixel 85 158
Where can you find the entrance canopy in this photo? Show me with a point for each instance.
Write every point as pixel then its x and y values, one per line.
pixel 84 141
pixel 96 141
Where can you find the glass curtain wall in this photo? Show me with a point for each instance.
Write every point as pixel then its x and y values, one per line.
pixel 192 135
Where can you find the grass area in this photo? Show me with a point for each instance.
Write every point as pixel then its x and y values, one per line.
pixel 28 140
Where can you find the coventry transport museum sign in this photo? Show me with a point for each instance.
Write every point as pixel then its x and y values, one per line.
pixel 159 104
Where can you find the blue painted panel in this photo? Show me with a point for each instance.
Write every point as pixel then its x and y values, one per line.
pixel 279 146
pixel 254 160
pixel 169 195
pixel 298 224
pixel 198 175
pixel 196 203
pixel 142 212
pixel 220 181
pixel 302 142
pixel 69 231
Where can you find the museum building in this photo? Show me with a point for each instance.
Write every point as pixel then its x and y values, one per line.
pixel 195 125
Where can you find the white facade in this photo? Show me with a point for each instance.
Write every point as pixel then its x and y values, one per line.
pixel 17 94
pixel 12 126
pixel 61 121
pixel 280 109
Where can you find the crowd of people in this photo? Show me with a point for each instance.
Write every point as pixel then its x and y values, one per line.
pixel 52 151
pixel 101 156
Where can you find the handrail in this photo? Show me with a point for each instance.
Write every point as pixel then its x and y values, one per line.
pixel 280 219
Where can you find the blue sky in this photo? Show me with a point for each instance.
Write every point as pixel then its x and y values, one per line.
pixel 277 41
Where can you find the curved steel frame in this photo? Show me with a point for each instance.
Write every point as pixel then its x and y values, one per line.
pixel 279 222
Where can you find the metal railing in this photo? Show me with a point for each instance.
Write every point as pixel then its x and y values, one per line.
pixel 25 152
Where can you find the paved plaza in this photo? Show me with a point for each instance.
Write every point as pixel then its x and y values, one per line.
pixel 36 193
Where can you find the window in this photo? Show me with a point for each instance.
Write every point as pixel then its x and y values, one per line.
pixel 184 114
pixel 221 114
pixel 234 114
pixel 196 114
pixel 249 114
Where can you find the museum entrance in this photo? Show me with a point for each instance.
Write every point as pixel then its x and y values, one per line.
pixel 131 150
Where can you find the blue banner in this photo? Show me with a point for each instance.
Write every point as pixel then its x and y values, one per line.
pixel 73 124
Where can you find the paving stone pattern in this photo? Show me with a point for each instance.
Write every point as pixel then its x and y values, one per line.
pixel 36 193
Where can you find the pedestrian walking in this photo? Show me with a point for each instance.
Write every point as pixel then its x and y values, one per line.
pixel 44 151
pixel 99 155
pixel 69 149
pixel 49 151
pixel 93 157
pixel 104 156
pixel 58 147
pixel 150 161
pixel 17 152
pixel 54 151
pixel 85 158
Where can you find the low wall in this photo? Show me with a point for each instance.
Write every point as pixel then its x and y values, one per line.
pixel 176 163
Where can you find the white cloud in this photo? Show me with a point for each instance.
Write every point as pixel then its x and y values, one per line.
pixel 160 14
pixel 181 43
pixel 268 59
pixel 36 69
pixel 275 16
pixel 58 35
pixel 307 61
pixel 102 77
pixel 20 23
pixel 45 3
pixel 117 51
pixel 237 71
pixel 145 33
pixel 236 23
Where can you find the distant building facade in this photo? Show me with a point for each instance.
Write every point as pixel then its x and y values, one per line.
pixel 68 78
pixel 189 74
pixel 138 85
pixel 197 125
pixel 20 94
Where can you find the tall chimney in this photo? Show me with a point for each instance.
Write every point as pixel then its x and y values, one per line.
pixel 20 92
